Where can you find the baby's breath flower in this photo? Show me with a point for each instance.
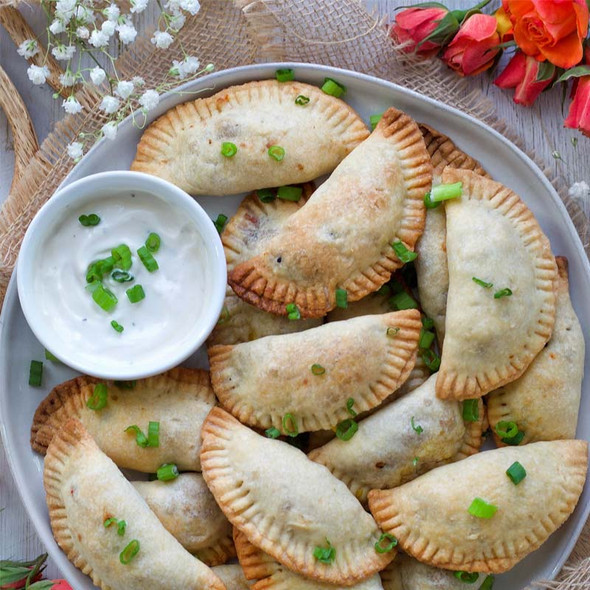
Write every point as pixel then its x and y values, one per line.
pixel 109 104
pixel 177 69
pixel 75 150
pixel 112 12
pixel 82 33
pixel 190 65
pixel 98 38
pixel 71 105
pixel 97 75
pixel 138 6
pixel 127 33
pixel 177 21
pixel 162 40
pixel 84 15
pixel 191 6
pixel 108 27
pixel 138 81
pixel 28 48
pixel 149 99
pixel 67 79
pixel 124 89
pixel 38 74
pixel 57 26
pixel 64 52
pixel 64 9
pixel 109 130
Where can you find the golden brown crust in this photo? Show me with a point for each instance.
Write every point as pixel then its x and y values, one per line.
pixel 318 252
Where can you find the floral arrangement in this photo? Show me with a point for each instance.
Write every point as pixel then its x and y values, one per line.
pixel 28 575
pixel 82 35
pixel 549 40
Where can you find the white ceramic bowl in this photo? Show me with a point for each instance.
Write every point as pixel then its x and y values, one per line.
pixel 177 325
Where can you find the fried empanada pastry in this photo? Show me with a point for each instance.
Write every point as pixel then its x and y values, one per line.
pixel 272 575
pixel 545 401
pixel 104 526
pixel 290 507
pixel 471 516
pixel 373 304
pixel 302 382
pixel 431 264
pixel 189 512
pixel 245 236
pixel 232 575
pixel 178 399
pixel 342 238
pixel 410 436
pixel 277 140
pixel 501 302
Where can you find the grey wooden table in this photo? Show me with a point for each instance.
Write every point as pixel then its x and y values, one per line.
pixel 540 128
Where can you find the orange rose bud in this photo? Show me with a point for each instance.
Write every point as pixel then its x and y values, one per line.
pixel 578 116
pixel 551 31
pixel 474 47
pixel 521 73
pixel 504 25
pixel 413 25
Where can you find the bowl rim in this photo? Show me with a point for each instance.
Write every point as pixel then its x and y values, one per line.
pixel 83 190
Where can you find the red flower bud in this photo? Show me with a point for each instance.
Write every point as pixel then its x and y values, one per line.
pixel 521 73
pixel 60 585
pixel 578 116
pixel 413 25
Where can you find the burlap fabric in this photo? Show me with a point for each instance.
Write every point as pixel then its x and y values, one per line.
pixel 333 32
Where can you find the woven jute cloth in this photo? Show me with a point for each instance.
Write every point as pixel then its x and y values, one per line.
pixel 339 33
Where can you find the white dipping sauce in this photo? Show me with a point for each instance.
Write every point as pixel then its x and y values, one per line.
pixel 174 294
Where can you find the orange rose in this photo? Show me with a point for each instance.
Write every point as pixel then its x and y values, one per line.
pixel 550 29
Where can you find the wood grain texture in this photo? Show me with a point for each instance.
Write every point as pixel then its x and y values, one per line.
pixel 539 127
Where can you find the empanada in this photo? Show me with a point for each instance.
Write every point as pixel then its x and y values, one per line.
pixel 431 264
pixel 178 399
pixel 301 382
pixel 410 436
pixel 342 238
pixel 288 506
pixel 272 575
pixel 184 146
pixel 501 301
pixel 544 402
pixel 232 576
pixel 189 512
pixel 88 497
pixel 435 517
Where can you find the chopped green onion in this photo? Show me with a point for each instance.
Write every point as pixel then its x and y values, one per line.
pixel 333 88
pixel 285 75
pixel 229 149
pixel 104 298
pixel 301 100
pixel 415 461
pixel 442 192
pixel 121 524
pixel 431 359
pixel 167 472
pixel 135 293
pixel 122 276
pixel 126 384
pixel 276 152
pixel 293 312
pixel 51 357
pixel 98 399
pixel 392 332
pixel 467 577
pixel 506 292
pixel 506 429
pixel 488 583
pixel 380 547
pixel 516 472
pixel 35 373
pixel 265 195
pixel 317 369
pixel 482 509
pixel 341 298
pixel 98 268
pixel 93 286
pixel 427 323
pixel 403 253
pixel 117 326
pixel 289 193
pixel 515 440
pixel 374 119
pixel 417 429
pixel 140 437
pixel 402 300
pixel 482 283
pixel 325 554
pixel 220 222
pixel 346 429
pixel 122 256
pixel 426 338
pixel 153 242
pixel 153 437
pixel 290 425
pixel 129 552
pixel 108 522
pixel 88 220
pixel 272 432
pixel 148 260
pixel 384 290
pixel 471 410
pixel 349 406
pixel 224 315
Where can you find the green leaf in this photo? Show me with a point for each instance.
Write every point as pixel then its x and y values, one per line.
pixel 445 30
pixel 546 71
pixel 424 5
pixel 576 72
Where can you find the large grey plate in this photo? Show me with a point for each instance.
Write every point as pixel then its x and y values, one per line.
pixel 367 95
